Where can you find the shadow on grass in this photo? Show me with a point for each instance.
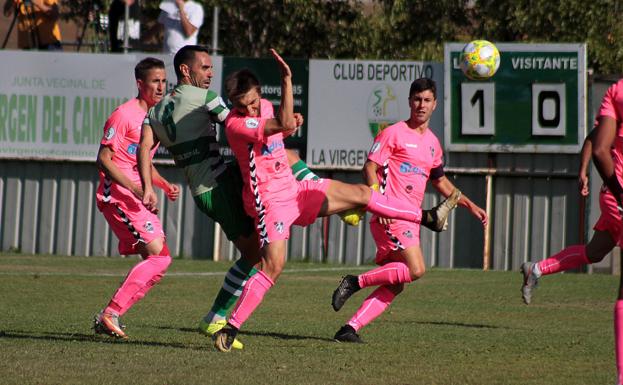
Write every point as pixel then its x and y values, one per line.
pixel 282 336
pixel 51 336
pixel 457 324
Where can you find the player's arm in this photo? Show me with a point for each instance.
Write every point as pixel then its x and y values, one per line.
pixel 187 26
pixel 286 121
pixel 604 136
pixel 105 163
pixel 443 185
pixel 146 144
pixel 585 157
pixel 172 190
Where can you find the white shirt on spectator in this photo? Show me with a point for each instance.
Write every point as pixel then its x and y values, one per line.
pixel 174 37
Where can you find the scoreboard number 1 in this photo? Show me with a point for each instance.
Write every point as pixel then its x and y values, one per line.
pixel 477 108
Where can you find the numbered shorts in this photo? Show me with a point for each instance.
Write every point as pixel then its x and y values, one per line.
pixel 224 204
pixel 132 223
pixel 275 224
pixel 610 219
pixel 398 235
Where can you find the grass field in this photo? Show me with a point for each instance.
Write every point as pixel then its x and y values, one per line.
pixel 451 327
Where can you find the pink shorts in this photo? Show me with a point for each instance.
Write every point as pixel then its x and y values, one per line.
pixel 398 235
pixel 609 220
pixel 279 217
pixel 132 225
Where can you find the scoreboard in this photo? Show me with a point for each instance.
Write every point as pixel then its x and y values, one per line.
pixel 535 103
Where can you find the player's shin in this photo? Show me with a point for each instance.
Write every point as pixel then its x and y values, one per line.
pixel 618 339
pixel 372 307
pixel 570 258
pixel 233 284
pixel 389 274
pixel 252 295
pixel 388 207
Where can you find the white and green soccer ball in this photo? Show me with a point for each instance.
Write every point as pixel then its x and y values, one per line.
pixel 480 59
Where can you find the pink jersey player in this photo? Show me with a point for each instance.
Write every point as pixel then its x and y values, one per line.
pixel 119 197
pixel 605 144
pixel 405 158
pixel 402 159
pixel 272 195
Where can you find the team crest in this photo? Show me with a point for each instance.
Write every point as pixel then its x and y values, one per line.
pixel 279 227
pixel 409 189
pixel 149 227
pixel 432 152
pixel 408 234
pixel 252 123
pixel 110 133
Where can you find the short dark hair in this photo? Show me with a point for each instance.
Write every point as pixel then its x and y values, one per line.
pixel 423 84
pixel 145 65
pixel 186 55
pixel 239 83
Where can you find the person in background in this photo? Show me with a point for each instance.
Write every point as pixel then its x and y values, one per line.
pixel 181 20
pixel 116 21
pixel 37 23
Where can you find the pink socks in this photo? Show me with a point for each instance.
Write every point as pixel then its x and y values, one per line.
pixel 388 274
pixel 386 207
pixel 618 338
pixel 372 307
pixel 570 258
pixel 138 282
pixel 252 295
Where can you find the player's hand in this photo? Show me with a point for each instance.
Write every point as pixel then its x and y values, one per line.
pixel 173 192
pixel 385 221
pixel 283 66
pixel 480 214
pixel 583 184
pixel 180 4
pixel 299 119
pixel 150 200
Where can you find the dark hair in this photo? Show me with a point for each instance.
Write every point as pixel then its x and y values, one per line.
pixel 423 84
pixel 145 65
pixel 186 55
pixel 239 83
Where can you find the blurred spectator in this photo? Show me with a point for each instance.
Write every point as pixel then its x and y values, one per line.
pixel 37 23
pixel 181 20
pixel 116 21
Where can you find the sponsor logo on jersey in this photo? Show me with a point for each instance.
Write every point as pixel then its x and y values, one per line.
pixel 375 147
pixel 408 168
pixel 408 234
pixel 252 123
pixel 279 227
pixel 132 147
pixel 149 227
pixel 269 149
pixel 110 133
pixel 411 145
pixel 409 189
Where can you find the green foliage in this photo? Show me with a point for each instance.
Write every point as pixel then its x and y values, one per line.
pixel 451 327
pixel 399 29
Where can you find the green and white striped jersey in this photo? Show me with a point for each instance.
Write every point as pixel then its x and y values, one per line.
pixel 184 122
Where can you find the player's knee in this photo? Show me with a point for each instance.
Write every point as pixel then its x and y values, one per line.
pixel 417 272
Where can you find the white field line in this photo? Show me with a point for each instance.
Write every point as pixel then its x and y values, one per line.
pixel 176 274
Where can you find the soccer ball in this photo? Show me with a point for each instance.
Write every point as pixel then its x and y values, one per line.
pixel 480 59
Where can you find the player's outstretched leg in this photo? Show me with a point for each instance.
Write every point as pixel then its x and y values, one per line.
pixel 530 281
pixel 436 219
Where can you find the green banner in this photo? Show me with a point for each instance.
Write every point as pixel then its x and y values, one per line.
pixel 536 102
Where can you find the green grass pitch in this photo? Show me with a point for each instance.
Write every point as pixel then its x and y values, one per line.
pixel 451 327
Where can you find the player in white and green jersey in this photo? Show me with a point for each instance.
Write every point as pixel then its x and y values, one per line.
pixel 184 122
